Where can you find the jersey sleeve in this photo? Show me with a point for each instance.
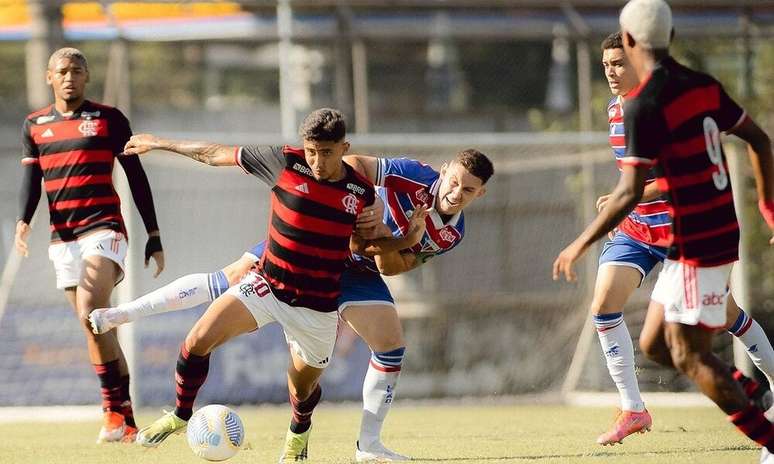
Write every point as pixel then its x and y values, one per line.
pixel 265 163
pixel 257 251
pixel 30 152
pixel 403 174
pixel 730 115
pixel 120 132
pixel 645 133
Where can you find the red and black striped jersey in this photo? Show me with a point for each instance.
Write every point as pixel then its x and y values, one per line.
pixel 673 122
pixel 76 154
pixel 310 225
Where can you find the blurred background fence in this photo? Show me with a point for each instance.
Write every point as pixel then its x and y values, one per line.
pixel 515 79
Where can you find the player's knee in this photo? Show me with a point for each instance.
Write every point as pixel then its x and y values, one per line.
pixel 603 306
pixel 199 342
pixel 684 359
pixel 388 342
pixel 301 391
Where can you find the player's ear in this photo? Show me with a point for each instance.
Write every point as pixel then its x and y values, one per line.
pixel 444 166
pixel 629 40
pixel 346 146
pixel 481 192
pixel 88 76
pixel 49 77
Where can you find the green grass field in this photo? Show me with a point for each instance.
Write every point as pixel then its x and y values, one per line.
pixel 467 433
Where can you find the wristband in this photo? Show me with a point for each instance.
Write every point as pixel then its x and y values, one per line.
pixel 152 246
pixel 766 208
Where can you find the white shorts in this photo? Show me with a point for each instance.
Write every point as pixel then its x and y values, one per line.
pixel 68 256
pixel 310 334
pixel 693 295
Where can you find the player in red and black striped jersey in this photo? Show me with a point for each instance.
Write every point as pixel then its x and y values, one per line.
pixel 315 201
pixel 673 121
pixel 71 146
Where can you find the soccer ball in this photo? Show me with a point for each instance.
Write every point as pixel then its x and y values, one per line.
pixel 215 433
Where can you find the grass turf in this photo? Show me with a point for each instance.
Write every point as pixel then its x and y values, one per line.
pixel 445 432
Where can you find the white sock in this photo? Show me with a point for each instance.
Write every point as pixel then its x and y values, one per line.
pixel 184 293
pixel 759 348
pixel 378 394
pixel 619 355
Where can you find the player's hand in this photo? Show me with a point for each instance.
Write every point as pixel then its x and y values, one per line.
pixel 141 143
pixel 20 238
pixel 417 224
pixel 371 216
pixel 565 261
pixel 601 201
pixel 153 250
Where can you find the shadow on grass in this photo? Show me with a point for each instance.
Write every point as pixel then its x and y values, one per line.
pixel 600 454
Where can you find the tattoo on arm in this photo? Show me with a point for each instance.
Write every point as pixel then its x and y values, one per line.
pixel 213 154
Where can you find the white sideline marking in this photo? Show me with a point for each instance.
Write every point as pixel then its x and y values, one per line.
pixel 662 399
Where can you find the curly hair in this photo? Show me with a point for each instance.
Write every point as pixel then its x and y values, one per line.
pixel 323 125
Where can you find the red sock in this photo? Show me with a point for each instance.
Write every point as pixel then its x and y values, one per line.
pixel 302 411
pixel 110 381
pixel 751 422
pixel 190 374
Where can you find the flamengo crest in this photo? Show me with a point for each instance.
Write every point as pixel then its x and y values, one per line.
pixel 350 203
pixel 88 128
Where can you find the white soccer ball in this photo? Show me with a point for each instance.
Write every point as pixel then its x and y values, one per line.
pixel 215 433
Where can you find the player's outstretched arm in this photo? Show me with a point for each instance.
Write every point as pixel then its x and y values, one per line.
pixel 210 153
pixel 364 164
pixel 388 243
pixel 762 160
pixel 622 200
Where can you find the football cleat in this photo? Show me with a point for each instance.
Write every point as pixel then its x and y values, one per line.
pixel 102 320
pixel 130 434
pixel 113 428
pixel 626 423
pixel 296 447
pixel 152 435
pixel 377 452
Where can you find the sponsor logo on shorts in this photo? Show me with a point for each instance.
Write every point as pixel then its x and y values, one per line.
pixel 247 289
pixel 712 299
pixel 325 361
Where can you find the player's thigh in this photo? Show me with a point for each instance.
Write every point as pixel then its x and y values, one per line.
pixel 377 324
pixel 302 378
pixel 614 285
pixel 226 318
pixel 98 277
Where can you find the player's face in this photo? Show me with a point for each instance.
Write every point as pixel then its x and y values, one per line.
pixel 325 158
pixel 458 188
pixel 620 75
pixel 68 79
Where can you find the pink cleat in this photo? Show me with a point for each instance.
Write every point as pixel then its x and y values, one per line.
pixel 626 423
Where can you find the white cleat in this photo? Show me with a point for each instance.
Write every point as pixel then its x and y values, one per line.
pixel 377 453
pixel 103 320
pixel 766 456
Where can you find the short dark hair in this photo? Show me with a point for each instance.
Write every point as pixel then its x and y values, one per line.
pixel 323 125
pixel 614 40
pixel 476 163
pixel 68 52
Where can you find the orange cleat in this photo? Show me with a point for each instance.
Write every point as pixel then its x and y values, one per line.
pixel 626 423
pixel 113 428
pixel 130 434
